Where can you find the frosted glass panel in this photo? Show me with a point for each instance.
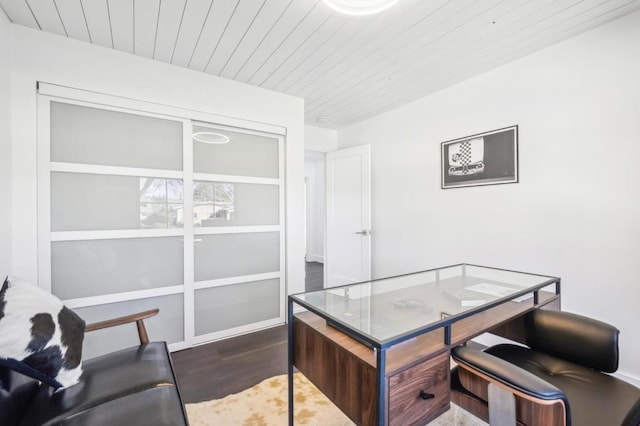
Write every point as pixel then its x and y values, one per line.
pixel 86 135
pixel 226 204
pixel 229 255
pixel 82 202
pixel 243 155
pixel 167 326
pixel 97 267
pixel 221 308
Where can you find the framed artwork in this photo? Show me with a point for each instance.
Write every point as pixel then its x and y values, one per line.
pixel 488 158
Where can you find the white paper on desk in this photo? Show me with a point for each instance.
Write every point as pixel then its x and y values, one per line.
pixel 471 303
pixel 498 291
pixel 523 298
pixel 492 289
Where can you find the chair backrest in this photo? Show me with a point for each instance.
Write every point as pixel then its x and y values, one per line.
pixel 584 341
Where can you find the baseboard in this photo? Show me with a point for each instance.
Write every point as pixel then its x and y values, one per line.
pixel 315 258
pixel 627 378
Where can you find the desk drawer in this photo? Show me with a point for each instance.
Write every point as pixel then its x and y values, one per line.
pixel 406 405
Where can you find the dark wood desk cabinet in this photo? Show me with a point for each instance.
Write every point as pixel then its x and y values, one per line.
pixel 412 387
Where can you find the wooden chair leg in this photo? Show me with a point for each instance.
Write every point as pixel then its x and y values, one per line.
pixel 142 332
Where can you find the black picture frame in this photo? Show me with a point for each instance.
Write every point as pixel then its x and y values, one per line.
pixel 489 158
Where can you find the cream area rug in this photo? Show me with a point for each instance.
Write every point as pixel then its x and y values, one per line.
pixel 265 404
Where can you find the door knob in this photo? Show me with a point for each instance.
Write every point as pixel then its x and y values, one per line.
pixel 364 232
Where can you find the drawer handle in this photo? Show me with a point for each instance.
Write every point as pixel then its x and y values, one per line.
pixel 425 395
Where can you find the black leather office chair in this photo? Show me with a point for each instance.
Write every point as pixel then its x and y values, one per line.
pixel 560 378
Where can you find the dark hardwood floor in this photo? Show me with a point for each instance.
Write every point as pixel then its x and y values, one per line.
pixel 229 366
pixel 218 369
pixel 314 276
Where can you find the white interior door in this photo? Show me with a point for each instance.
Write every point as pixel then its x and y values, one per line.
pixel 238 249
pixel 348 241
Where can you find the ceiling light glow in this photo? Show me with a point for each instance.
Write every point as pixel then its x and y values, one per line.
pixel 211 138
pixel 360 7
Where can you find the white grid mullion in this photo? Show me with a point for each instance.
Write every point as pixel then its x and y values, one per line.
pixel 115 170
pixel 240 279
pixel 83 302
pixel 44 192
pixel 189 265
pixel 210 177
pixel 116 234
pixel 282 220
pixel 215 230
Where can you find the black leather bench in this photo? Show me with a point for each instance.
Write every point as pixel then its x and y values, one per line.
pixel 133 386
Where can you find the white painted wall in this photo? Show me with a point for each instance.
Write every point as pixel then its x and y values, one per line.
pixel 5 146
pixel 317 141
pixel 320 139
pixel 574 213
pixel 314 172
pixel 38 56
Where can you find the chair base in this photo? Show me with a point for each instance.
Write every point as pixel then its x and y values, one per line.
pixel 466 400
pixel 528 412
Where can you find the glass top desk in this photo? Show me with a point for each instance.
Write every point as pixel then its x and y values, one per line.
pixel 380 349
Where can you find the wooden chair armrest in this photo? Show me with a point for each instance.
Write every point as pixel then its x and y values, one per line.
pixel 137 318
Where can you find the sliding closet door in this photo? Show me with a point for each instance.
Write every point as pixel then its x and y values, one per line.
pixel 238 199
pixel 112 240
pixel 141 207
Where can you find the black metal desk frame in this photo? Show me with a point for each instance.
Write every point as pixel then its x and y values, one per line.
pixel 380 347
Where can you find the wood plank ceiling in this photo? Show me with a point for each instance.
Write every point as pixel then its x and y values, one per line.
pixel 346 68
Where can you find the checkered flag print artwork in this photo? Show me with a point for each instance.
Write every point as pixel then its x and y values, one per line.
pixel 465 153
pixel 466 157
pixel 485 158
